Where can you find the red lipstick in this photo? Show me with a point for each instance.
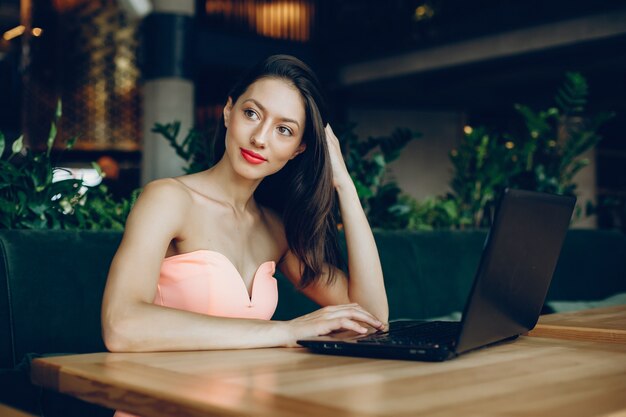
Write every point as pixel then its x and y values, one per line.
pixel 252 157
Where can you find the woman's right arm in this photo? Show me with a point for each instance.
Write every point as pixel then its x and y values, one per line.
pixel 132 323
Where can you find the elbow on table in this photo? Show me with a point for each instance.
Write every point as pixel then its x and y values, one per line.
pixel 114 340
pixel 118 336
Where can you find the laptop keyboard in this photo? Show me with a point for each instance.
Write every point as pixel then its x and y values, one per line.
pixel 412 333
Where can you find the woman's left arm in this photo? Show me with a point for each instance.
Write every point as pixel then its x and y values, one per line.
pixel 365 285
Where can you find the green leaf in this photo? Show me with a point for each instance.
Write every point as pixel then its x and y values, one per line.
pixel 38 209
pixel 574 168
pixel 535 123
pixel 379 160
pixel 392 146
pixel 98 169
pixel 18 145
pixel 572 96
pixel 59 110
pixel 450 208
pixel 51 137
pixel 22 201
pixel 2 144
pixel 71 142
pixel 363 191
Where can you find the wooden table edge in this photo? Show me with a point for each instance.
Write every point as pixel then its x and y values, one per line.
pixel 45 374
pixel 578 333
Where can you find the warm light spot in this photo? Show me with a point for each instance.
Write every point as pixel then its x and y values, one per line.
pixel 509 145
pixel 37 32
pixel 14 33
pixel 552 143
pixel 124 83
pixel 423 12
pixel 454 153
pixel 534 134
pixel 286 19
pixel 63 6
pixel 468 130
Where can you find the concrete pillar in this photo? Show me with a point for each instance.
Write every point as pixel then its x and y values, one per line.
pixel 168 92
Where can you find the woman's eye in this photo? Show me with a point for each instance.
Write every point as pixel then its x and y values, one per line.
pixel 284 131
pixel 251 114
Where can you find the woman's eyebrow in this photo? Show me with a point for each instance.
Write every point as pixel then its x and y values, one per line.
pixel 260 106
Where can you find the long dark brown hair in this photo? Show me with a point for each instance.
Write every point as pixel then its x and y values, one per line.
pixel 302 192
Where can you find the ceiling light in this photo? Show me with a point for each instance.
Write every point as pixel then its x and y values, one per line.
pixel 14 33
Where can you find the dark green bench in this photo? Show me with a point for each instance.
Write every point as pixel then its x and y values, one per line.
pixel 52 283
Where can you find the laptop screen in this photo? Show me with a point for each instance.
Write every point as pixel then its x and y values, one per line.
pixel 517 264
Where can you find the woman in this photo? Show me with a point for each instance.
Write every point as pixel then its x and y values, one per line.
pixel 186 275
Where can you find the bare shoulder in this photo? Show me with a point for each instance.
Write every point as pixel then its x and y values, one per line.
pixel 164 201
pixel 166 189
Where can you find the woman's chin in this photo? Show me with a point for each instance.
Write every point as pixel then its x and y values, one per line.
pixel 254 172
pixel 251 173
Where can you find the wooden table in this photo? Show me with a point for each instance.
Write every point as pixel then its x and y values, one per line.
pixel 6 411
pixel 599 324
pixel 528 377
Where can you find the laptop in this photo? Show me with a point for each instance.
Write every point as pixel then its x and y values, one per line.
pixel 517 263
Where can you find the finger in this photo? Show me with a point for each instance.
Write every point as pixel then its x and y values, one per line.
pixel 351 325
pixel 370 318
pixel 357 314
pixel 373 320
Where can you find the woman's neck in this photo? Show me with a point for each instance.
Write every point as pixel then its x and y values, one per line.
pixel 232 188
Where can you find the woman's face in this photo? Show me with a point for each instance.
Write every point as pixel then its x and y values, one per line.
pixel 264 128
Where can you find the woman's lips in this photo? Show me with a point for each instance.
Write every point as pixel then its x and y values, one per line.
pixel 252 157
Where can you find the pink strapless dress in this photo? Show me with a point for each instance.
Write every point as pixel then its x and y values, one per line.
pixel 207 282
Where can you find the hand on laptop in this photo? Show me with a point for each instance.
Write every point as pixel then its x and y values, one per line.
pixel 330 319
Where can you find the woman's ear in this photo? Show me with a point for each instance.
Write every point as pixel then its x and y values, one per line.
pixel 299 150
pixel 227 109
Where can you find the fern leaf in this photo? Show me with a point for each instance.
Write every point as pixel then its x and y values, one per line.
pixel 572 96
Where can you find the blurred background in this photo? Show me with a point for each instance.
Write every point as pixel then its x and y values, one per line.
pixel 437 67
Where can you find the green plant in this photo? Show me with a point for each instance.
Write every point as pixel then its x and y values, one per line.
pixel 98 210
pixel 196 148
pixel 544 156
pixel 30 199
pixel 435 213
pixel 367 161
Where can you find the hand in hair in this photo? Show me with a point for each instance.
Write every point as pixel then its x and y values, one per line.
pixel 329 319
pixel 341 176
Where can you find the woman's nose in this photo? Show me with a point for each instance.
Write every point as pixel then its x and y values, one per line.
pixel 260 136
